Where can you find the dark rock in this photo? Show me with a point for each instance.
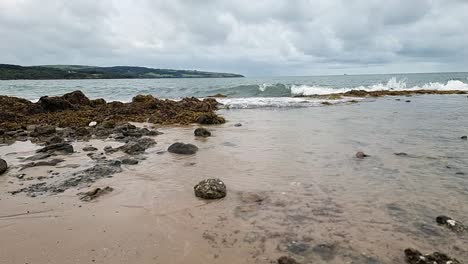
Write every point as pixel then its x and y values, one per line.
pixel 401 154
pixel 59 147
pixel 210 189
pixel 109 149
pixel 286 260
pixel 238 125
pixel 202 132
pixel 3 166
pixel 82 132
pixel 182 148
pixel 76 98
pixel 54 104
pixel 361 155
pixel 451 224
pixel 210 119
pixel 413 256
pixel 398 99
pixel 98 102
pixel 53 162
pixel 108 124
pixel 94 193
pixel 38 157
pixel 43 130
pixel 326 103
pixel 54 140
pixel 464 137
pixel 408 101
pixel 89 148
pixel 137 146
pixel 130 161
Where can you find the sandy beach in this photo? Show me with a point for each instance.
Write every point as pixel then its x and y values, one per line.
pixel 294 188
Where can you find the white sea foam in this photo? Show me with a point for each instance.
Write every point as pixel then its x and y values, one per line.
pixel 392 84
pixel 275 102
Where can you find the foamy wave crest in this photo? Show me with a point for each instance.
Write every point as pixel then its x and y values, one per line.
pixel 274 102
pixel 392 84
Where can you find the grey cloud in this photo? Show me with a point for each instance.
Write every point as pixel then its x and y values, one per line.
pixel 264 37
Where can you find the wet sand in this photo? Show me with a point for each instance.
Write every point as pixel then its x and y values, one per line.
pixel 294 188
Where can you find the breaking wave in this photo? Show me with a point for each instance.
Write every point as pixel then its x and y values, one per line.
pixel 285 90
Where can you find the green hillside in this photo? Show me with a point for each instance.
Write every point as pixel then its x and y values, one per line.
pixel 43 72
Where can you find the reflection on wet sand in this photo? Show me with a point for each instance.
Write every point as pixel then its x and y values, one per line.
pixel 294 188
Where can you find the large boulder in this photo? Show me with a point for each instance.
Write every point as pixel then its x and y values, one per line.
pixel 77 98
pixel 54 104
pixel 137 146
pixel 3 166
pixel 202 132
pixel 210 189
pixel 182 148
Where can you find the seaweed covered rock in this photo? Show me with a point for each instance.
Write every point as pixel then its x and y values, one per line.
pixel 53 104
pixel 210 189
pixel 76 110
pixel 201 132
pixel 210 119
pixel 182 148
pixel 413 256
pixel 3 166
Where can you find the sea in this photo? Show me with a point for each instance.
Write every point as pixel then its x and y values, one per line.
pixel 250 92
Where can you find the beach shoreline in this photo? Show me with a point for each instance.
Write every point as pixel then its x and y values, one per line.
pixel 294 188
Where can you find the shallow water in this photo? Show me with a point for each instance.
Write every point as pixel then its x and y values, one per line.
pixel 319 203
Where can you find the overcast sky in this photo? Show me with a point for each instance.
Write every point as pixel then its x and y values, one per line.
pixel 252 37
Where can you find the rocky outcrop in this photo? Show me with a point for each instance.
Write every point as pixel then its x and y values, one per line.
pixel 76 110
pixel 182 148
pixel 201 132
pixel 210 189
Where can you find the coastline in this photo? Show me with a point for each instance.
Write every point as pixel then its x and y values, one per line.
pixel 294 188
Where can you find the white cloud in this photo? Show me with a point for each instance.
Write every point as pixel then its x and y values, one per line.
pixel 250 37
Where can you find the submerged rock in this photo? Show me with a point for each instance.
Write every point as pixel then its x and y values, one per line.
pixel 182 148
pixel 451 224
pixel 238 125
pixel 60 147
pixel 137 146
pixel 401 154
pixel 210 189
pixel 361 155
pixel 210 119
pixel 94 193
pixel 464 137
pixel 89 148
pixel 53 162
pixel 201 132
pixel 3 166
pixel 128 161
pixel 413 256
pixel 286 260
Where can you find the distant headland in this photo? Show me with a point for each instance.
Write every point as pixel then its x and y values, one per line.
pixel 47 72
